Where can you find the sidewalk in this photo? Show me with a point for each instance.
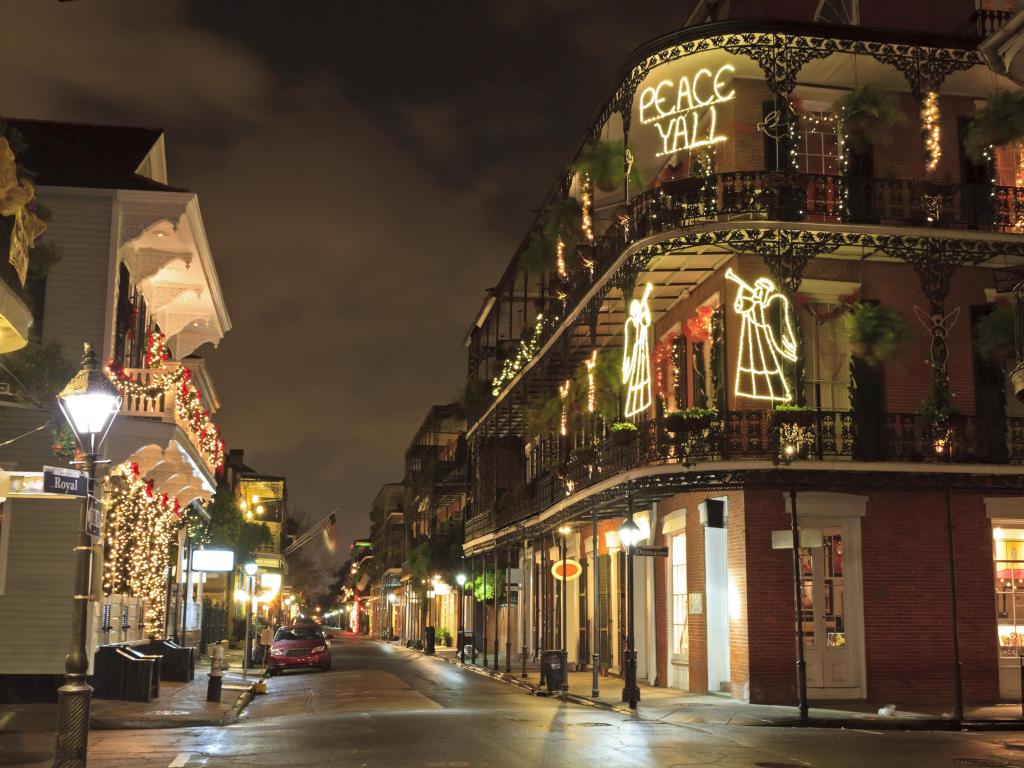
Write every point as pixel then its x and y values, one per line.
pixel 672 706
pixel 180 705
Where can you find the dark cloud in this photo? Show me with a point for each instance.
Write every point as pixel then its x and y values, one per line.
pixel 364 171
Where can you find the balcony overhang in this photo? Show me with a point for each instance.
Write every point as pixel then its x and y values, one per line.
pixel 676 262
pixel 649 484
pixel 15 319
pixel 164 453
pixel 162 241
pixel 1002 49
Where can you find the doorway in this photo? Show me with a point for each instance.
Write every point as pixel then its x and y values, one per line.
pixel 831 610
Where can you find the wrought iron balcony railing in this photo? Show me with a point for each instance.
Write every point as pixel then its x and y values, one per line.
pixel 806 436
pixel 797 197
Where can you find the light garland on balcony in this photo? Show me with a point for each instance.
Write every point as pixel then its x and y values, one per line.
pixel 591 388
pixel 932 132
pixel 140 528
pixel 528 347
pixel 563 394
pixel 586 200
pixel 188 401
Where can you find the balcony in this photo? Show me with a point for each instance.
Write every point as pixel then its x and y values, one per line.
pixel 762 436
pixel 982 23
pixel 176 405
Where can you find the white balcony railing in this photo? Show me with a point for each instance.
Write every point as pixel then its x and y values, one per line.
pixel 170 398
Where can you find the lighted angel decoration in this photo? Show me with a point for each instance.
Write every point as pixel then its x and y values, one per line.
pixel 759 367
pixel 636 355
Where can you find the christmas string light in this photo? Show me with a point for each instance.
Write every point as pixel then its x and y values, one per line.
pixel 188 400
pixel 932 132
pixel 563 393
pixel 591 388
pixel 528 347
pixel 140 527
pixel 586 200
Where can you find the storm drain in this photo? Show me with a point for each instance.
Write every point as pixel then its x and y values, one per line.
pixel 980 761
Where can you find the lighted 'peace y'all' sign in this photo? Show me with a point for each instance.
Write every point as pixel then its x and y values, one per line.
pixel 677 121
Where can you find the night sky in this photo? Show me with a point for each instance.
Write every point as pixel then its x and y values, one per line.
pixel 365 171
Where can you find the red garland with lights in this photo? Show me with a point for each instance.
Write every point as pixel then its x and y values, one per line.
pixel 188 400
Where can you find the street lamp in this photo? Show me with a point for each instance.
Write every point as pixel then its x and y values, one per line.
pixel 89 402
pixel 564 531
pixel 392 599
pixel 629 535
pixel 460 579
pixel 250 572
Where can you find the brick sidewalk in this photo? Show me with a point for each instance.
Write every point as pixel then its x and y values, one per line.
pixel 180 705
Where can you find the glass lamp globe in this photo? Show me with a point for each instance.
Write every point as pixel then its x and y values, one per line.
pixel 89 402
pixel 251 568
pixel 461 579
pixel 629 533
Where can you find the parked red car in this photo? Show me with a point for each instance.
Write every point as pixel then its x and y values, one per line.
pixel 301 645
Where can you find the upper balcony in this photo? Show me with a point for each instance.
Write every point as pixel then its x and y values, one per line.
pixel 168 400
pixel 162 241
pixel 730 147
pixel 746 122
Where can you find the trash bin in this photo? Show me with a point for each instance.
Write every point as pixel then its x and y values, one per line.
pixel 553 669
pixel 429 650
pixel 468 647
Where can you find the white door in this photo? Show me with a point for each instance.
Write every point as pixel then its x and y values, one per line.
pixel 717 609
pixel 679 652
pixel 829 644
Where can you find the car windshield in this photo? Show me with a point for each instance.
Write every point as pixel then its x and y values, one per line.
pixel 298 633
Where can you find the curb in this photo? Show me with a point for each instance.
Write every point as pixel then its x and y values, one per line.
pixel 228 718
pixel 895 724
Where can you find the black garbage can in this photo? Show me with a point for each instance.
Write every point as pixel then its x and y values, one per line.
pixel 429 649
pixel 553 669
pixel 467 647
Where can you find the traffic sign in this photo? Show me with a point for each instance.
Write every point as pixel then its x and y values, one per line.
pixel 67 482
pixel 650 551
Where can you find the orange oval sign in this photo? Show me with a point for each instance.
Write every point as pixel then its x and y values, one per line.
pixel 571 570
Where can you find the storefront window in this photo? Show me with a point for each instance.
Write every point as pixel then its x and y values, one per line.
pixel 680 635
pixel 1009 566
pixel 807 596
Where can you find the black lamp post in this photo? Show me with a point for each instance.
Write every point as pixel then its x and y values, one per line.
pixel 89 402
pixel 563 531
pixel 629 535
pixel 460 579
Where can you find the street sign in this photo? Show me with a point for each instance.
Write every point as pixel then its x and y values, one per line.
pixel 213 560
pixel 809 538
pixel 572 569
pixel 94 519
pixel 650 551
pixel 67 482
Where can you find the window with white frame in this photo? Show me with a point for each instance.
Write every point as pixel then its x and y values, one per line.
pixel 680 635
pixel 827 359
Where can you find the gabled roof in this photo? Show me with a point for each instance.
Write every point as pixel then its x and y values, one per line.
pixel 95 156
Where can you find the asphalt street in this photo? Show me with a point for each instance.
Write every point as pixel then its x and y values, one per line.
pixel 389 707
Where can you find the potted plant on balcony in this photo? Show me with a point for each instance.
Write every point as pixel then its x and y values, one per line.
pixel 994 337
pixel 623 432
pixel 1000 122
pixel 605 162
pixel 875 332
pixel 869 115
pixel 585 455
pixel 690 420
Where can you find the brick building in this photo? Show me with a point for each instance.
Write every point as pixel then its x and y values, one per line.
pixel 694 335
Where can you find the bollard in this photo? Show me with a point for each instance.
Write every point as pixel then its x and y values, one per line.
pixel 213 687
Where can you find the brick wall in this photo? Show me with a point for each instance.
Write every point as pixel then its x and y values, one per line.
pixel 907 632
